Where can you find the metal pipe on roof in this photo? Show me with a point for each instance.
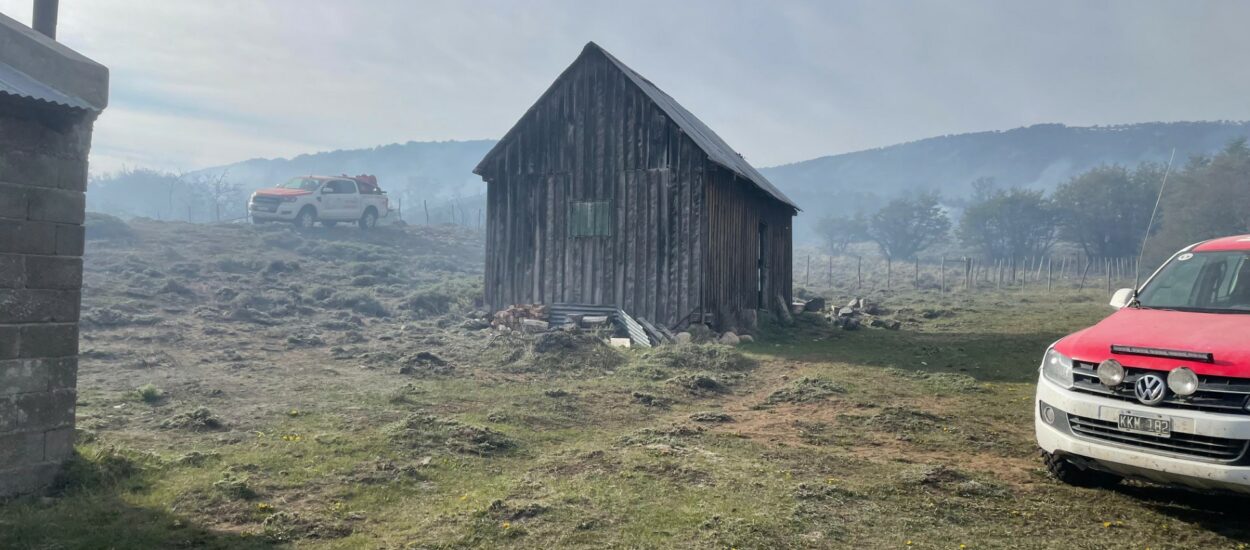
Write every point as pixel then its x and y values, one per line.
pixel 44 19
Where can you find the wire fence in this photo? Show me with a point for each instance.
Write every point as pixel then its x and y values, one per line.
pixel 966 274
pixel 466 212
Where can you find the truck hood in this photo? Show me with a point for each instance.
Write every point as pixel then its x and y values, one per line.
pixel 280 192
pixel 1224 335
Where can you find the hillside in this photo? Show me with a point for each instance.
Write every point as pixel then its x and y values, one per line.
pixel 1044 155
pixel 1040 156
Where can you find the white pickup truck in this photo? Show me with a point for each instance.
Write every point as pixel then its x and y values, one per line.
pixel 306 200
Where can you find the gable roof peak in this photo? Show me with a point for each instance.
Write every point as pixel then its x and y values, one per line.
pixel 711 144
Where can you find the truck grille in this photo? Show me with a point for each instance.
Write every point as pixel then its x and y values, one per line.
pixel 1215 393
pixel 1201 447
pixel 265 204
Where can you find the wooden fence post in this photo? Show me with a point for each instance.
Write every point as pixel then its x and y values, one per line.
pixel 1050 274
pixel 426 206
pixel 859 272
pixel 1024 272
pixel 968 273
pixel 943 272
pixel 807 273
pixel 917 282
pixel 1088 262
pixel 1108 262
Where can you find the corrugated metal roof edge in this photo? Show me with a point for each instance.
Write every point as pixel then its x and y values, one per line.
pixel 711 144
pixel 48 101
pixel 11 85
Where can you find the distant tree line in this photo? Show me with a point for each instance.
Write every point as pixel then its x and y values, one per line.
pixel 142 192
pixel 1103 212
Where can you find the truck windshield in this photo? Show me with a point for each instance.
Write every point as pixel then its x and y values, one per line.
pixel 1216 282
pixel 307 184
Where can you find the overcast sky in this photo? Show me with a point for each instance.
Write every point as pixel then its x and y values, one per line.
pixel 197 83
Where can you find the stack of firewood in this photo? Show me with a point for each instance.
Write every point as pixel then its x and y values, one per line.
pixel 514 316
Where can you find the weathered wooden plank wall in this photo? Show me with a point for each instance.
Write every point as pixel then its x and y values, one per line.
pixel 735 212
pixel 594 136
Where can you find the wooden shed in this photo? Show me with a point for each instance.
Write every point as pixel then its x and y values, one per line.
pixel 608 192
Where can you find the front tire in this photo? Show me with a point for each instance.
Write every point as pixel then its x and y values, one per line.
pixel 369 219
pixel 306 218
pixel 1073 474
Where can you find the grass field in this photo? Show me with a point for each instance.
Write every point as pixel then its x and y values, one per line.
pixel 292 417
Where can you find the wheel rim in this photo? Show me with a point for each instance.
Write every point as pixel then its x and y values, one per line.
pixel 304 220
pixel 371 219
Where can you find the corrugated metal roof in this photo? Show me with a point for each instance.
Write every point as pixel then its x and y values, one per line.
pixel 17 83
pixel 715 147
pixel 712 145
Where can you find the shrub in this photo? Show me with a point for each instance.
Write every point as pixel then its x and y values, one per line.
pixel 279 266
pixel 234 487
pixel 706 357
pixel 105 227
pixel 698 384
pixel 359 302
pixel 444 297
pixel 424 432
pixel 99 468
pixel 149 393
pixel 560 350
pixel 197 420
pixel 804 390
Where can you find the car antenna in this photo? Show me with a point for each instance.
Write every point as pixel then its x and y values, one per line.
pixel 1142 253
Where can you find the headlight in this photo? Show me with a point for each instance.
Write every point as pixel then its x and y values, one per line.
pixel 1110 373
pixel 1183 382
pixel 1057 368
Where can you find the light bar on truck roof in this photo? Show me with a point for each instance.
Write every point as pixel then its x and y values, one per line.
pixel 1201 357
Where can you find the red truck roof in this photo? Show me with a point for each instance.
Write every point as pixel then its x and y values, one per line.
pixel 1224 244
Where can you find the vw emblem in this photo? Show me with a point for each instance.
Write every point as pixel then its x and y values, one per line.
pixel 1150 389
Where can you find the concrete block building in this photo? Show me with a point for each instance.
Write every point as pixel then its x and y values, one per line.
pixel 49 99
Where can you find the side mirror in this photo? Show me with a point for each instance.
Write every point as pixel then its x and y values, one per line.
pixel 1123 297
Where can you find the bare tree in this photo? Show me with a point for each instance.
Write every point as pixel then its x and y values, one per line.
pixel 221 190
pixel 218 190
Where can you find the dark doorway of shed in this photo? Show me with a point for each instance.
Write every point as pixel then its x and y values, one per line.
pixel 761 264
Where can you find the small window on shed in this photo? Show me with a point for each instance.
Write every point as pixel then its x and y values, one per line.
pixel 590 219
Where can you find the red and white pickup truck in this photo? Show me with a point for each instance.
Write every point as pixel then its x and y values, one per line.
pixel 306 200
pixel 1160 390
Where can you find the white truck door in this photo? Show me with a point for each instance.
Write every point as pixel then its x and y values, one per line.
pixel 352 202
pixel 336 200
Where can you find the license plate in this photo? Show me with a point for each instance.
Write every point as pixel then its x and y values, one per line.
pixel 1148 425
